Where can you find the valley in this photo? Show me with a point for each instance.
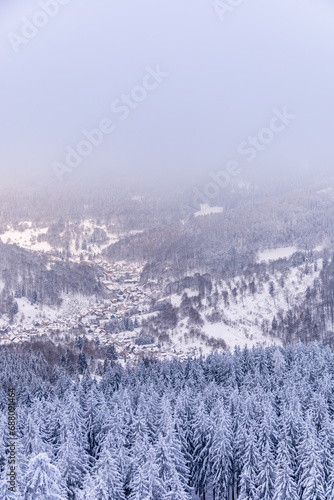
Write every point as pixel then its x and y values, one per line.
pixel 143 303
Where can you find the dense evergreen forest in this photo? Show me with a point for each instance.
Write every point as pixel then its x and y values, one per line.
pixel 256 424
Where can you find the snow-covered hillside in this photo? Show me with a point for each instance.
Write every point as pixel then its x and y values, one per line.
pixel 26 236
pixel 247 318
pixel 88 237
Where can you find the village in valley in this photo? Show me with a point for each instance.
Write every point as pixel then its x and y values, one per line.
pixel 120 308
pixel 128 302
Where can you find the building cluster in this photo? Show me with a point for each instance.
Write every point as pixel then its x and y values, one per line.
pixel 127 297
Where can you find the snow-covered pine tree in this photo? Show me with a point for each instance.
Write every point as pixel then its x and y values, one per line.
pixel 108 480
pixel 221 454
pixel 250 469
pixel 267 474
pixel 311 475
pixel 285 484
pixel 43 480
pixel 146 482
pixel 170 469
pixel 31 440
pixel 201 469
pixel 73 462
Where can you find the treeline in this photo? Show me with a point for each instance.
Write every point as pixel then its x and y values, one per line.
pixel 256 424
pixel 74 353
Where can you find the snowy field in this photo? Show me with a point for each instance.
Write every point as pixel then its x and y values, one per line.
pixel 26 238
pixel 276 253
pixel 205 209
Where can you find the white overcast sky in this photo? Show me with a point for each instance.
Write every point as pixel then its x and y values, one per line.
pixel 225 78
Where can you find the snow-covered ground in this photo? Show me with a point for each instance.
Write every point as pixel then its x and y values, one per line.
pixel 80 239
pixel 29 313
pixel 176 299
pixel 87 228
pixel 275 254
pixel 72 306
pixel 27 237
pixel 245 316
pixel 205 209
pixel 247 319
